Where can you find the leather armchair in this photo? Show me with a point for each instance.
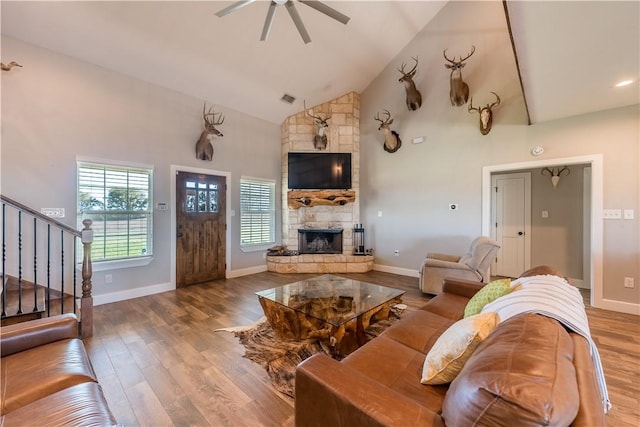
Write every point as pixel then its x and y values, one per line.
pixel 474 265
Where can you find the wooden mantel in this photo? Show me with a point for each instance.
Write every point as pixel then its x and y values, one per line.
pixel 299 199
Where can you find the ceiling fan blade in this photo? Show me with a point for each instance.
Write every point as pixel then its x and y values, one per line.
pixel 329 11
pixel 293 12
pixel 268 21
pixel 232 8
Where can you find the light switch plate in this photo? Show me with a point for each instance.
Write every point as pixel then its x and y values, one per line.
pixel 53 212
pixel 612 214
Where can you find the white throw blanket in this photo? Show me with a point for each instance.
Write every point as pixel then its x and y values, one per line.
pixel 554 297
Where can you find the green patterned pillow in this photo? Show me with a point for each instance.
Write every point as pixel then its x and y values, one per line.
pixel 489 292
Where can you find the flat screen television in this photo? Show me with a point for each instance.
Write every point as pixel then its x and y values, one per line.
pixel 319 171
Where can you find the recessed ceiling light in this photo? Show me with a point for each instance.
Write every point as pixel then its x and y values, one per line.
pixel 624 83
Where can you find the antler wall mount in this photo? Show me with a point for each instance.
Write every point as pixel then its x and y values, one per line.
pixel 555 174
pixel 9 66
pixel 320 138
pixel 392 142
pixel 204 149
pixel 459 90
pixel 414 97
pixel 486 114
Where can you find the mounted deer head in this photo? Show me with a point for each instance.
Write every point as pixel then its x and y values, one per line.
pixel 486 114
pixel 555 174
pixel 320 140
pixel 204 149
pixel 9 66
pixel 392 142
pixel 414 98
pixel 459 90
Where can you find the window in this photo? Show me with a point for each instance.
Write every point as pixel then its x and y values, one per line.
pixel 257 212
pixel 118 201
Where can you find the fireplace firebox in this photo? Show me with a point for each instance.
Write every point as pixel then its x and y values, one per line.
pixel 320 241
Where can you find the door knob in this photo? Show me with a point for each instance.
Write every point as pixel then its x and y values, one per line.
pixel 520 233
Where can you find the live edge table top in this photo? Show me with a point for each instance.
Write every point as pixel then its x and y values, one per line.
pixel 329 307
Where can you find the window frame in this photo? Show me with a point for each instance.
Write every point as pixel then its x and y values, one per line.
pixel 271 212
pixel 108 263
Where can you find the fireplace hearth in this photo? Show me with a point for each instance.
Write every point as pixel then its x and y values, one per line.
pixel 320 241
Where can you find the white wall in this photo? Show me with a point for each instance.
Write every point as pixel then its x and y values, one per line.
pixel 56 108
pixel 413 187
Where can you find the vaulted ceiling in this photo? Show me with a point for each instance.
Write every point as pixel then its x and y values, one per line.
pixel 570 54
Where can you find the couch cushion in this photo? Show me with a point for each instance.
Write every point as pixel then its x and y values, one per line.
pixel 522 374
pixel 490 292
pixel 455 346
pixel 447 305
pixel 418 330
pixel 79 405
pixel 32 374
pixel 397 367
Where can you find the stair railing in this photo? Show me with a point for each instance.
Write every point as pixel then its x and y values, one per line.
pixel 22 248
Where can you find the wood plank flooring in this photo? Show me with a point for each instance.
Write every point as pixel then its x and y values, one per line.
pixel 160 363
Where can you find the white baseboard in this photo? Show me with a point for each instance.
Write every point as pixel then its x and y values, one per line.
pixel 396 270
pixel 232 274
pixel 132 293
pixel 619 306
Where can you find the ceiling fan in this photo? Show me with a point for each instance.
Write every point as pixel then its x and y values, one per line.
pixel 293 12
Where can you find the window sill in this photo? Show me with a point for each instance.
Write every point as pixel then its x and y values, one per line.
pixel 257 248
pixel 120 263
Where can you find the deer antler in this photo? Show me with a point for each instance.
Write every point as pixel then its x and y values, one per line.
pixel 555 171
pixel 497 102
pixel 318 118
pixel 413 70
pixel 211 113
pixel 453 61
pixel 471 107
pixel 385 121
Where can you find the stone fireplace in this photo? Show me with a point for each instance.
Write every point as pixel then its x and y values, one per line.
pixel 343 134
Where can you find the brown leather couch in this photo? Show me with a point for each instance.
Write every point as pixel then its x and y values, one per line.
pixel 529 371
pixel 47 378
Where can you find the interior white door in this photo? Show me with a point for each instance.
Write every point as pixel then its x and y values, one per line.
pixel 511 217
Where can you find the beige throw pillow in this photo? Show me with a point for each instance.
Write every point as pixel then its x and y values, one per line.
pixel 455 346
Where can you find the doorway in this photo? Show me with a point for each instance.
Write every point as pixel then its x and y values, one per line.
pixel 200 228
pixel 511 220
pixel 595 258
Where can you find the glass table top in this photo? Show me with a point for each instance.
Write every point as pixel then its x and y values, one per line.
pixel 330 298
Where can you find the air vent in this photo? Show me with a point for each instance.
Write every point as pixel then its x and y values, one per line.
pixel 288 98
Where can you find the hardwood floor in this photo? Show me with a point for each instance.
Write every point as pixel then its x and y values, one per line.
pixel 160 362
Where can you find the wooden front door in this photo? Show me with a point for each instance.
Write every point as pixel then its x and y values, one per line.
pixel 200 227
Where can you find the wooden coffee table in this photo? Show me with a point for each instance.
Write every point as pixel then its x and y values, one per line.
pixel 334 309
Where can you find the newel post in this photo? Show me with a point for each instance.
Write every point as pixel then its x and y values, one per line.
pixel 86 303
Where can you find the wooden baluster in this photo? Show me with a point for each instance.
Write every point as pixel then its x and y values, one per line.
pixel 86 304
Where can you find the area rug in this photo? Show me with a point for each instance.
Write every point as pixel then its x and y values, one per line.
pixel 280 358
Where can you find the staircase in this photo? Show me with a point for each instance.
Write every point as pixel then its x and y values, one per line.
pixel 40 268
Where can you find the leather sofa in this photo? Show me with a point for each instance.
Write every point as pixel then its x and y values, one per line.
pixel 47 378
pixel 529 371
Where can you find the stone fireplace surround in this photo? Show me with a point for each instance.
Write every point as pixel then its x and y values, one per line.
pixel 297 134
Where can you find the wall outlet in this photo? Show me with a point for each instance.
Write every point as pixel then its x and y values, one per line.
pixel 108 278
pixel 628 214
pixel 628 282
pixel 396 252
pixel 545 214
pixel 264 255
